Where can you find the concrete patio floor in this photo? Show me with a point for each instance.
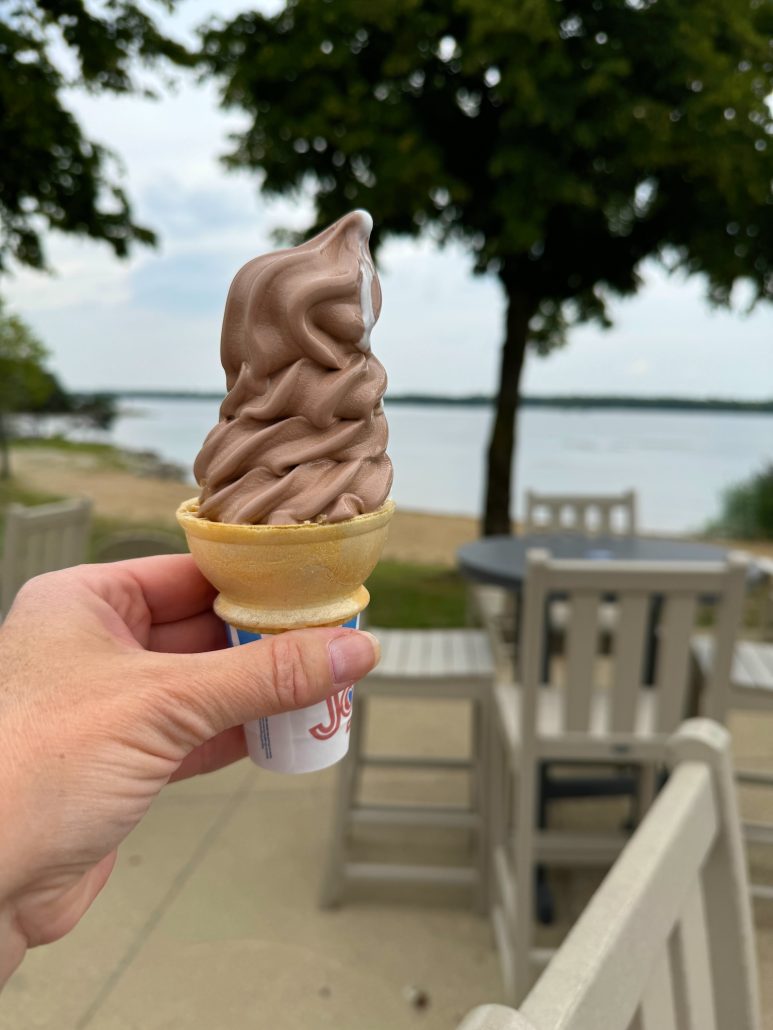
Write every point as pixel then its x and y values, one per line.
pixel 211 919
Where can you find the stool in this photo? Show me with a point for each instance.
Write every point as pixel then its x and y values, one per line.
pixel 422 665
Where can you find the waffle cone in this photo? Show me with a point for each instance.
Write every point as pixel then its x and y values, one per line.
pixel 275 578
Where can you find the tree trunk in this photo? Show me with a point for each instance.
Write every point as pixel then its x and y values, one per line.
pixel 5 456
pixel 520 308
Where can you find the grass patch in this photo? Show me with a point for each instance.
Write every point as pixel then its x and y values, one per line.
pixel 416 596
pixel 106 455
pixel 13 492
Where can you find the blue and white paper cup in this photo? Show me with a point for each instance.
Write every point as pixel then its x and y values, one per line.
pixel 306 739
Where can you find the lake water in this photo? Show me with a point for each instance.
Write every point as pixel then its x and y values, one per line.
pixel 679 463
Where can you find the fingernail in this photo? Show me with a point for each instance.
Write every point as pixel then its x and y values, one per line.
pixel 352 656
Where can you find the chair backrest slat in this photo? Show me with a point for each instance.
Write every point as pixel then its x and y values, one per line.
pixel 629 661
pixel 717 690
pixel 676 629
pixel 588 514
pixel 533 633
pixel 605 518
pixel 581 649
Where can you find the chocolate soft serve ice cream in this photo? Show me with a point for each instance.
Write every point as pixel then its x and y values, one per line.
pixel 302 434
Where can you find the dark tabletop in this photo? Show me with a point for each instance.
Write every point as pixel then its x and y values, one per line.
pixel 501 560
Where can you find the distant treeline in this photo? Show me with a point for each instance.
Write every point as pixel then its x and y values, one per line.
pixel 479 400
pixel 597 402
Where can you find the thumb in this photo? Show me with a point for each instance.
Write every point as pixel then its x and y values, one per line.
pixel 276 674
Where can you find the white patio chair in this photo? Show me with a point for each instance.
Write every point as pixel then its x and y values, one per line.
pixel 41 539
pixel 416 665
pixel 585 719
pixel 587 514
pixel 666 943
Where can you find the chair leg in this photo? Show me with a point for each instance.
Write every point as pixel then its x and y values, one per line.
pixel 497 817
pixel 525 814
pixel 512 811
pixel 480 800
pixel 346 793
pixel 499 830
pixel 543 895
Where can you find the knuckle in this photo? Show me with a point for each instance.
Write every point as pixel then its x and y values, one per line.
pixel 176 704
pixel 48 588
pixel 291 672
pixel 37 587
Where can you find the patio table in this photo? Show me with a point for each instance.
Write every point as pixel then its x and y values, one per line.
pixel 501 560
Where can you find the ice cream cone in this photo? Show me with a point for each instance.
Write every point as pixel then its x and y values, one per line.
pixel 276 578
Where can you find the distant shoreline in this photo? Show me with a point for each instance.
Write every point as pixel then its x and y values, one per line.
pixel 598 402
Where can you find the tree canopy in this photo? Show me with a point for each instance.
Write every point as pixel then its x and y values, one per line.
pixel 562 141
pixel 51 175
pixel 25 382
pixel 29 387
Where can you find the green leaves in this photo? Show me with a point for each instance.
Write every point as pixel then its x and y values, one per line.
pixel 51 176
pixel 747 509
pixel 25 383
pixel 566 140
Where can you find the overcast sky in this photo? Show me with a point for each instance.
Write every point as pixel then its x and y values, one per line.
pixel 154 320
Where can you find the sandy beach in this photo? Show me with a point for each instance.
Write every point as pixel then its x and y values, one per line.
pixel 413 536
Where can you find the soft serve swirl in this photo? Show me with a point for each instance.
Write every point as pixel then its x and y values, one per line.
pixel 302 434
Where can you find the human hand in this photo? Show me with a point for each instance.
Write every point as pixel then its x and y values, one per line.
pixel 115 680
